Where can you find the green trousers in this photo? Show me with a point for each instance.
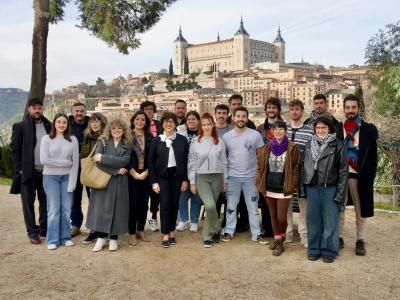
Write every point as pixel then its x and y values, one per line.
pixel 209 187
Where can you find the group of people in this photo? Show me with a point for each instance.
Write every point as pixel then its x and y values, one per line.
pixel 202 160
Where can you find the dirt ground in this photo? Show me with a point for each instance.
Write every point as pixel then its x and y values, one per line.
pixel 240 269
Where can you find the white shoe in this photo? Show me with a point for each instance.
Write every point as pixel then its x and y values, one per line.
pixel 69 243
pixel 182 226
pixel 113 246
pixel 194 227
pixel 153 226
pixel 52 246
pixel 304 243
pixel 100 243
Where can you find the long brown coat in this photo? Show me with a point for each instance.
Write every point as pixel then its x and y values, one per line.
pixel 292 168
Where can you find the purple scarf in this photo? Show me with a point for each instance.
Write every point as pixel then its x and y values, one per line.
pixel 278 149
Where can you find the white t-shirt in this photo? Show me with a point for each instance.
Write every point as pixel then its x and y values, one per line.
pixel 241 148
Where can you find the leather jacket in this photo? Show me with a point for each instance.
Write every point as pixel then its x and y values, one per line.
pixel 333 169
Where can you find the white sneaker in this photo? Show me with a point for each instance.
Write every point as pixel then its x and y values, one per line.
pixel 69 243
pixel 153 226
pixel 182 226
pixel 194 227
pixel 304 242
pixel 113 246
pixel 52 246
pixel 100 243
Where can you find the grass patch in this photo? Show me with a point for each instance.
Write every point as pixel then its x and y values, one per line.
pixel 387 206
pixel 5 181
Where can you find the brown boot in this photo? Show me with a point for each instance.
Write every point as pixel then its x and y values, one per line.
pixel 279 248
pixel 141 236
pixel 273 244
pixel 132 240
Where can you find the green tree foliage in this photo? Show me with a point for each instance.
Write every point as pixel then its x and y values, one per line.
pixel 186 66
pixel 170 69
pixel 116 22
pixel 383 53
pixel 183 85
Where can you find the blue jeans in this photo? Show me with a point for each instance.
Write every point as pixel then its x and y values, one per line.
pixel 323 221
pixel 58 208
pixel 235 186
pixel 195 206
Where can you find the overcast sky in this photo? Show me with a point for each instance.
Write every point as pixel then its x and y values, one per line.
pixel 326 32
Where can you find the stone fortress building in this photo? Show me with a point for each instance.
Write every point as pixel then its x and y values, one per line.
pixel 235 54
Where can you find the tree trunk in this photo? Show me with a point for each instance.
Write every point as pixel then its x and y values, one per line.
pixel 39 49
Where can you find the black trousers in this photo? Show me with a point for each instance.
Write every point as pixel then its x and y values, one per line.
pixel 139 191
pixel 104 235
pixel 243 216
pixel 170 190
pixel 154 203
pixel 265 217
pixel 28 195
pixel 76 208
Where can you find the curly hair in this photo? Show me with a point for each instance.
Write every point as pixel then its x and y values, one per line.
pixel 126 132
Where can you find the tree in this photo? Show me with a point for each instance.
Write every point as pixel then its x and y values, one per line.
pixel 100 81
pixel 383 54
pixel 359 93
pixel 116 22
pixel 186 66
pixel 170 69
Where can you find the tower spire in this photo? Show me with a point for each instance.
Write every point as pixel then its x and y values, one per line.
pixel 241 29
pixel 180 37
pixel 218 39
pixel 279 38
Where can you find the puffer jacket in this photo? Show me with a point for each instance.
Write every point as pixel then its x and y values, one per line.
pixel 332 168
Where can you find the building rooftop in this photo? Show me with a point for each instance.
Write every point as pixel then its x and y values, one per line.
pixel 241 29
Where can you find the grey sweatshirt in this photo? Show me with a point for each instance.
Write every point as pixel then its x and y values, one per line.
pixel 206 158
pixel 60 157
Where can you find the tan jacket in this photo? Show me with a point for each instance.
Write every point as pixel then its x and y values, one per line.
pixel 292 168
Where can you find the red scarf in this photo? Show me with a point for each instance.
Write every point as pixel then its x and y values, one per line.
pixel 349 126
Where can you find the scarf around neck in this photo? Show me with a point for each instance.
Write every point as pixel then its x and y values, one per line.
pixel 314 117
pixel 318 145
pixel 278 149
pixel 167 139
pixel 351 127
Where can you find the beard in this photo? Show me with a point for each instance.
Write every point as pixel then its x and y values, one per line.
pixel 36 116
pixel 240 125
pixel 351 116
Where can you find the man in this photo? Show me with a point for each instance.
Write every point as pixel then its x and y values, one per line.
pixel 236 101
pixel 360 139
pixel 221 115
pixel 28 178
pixel 320 106
pixel 180 109
pixel 272 108
pixel 78 123
pixel 241 144
pixel 150 109
pixel 300 134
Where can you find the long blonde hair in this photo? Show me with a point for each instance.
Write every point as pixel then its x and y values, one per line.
pixel 126 134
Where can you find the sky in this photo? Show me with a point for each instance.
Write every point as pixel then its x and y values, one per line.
pixel 325 32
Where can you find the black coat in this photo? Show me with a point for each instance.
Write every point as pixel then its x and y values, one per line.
pixel 368 162
pixel 135 155
pixel 158 158
pixel 23 142
pixel 78 129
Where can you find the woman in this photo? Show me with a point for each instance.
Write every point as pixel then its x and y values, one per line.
pixel 278 175
pixel 108 212
pixel 207 172
pixel 168 173
pixel 190 131
pixel 139 185
pixel 324 175
pixel 59 155
pixel 97 123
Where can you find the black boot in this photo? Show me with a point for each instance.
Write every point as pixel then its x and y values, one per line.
pixel 360 248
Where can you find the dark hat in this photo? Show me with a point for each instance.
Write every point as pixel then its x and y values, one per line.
pixel 33 101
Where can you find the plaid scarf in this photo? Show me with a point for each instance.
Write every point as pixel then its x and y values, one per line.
pixel 313 118
pixel 318 145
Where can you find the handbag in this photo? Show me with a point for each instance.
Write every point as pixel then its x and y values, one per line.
pixel 91 175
